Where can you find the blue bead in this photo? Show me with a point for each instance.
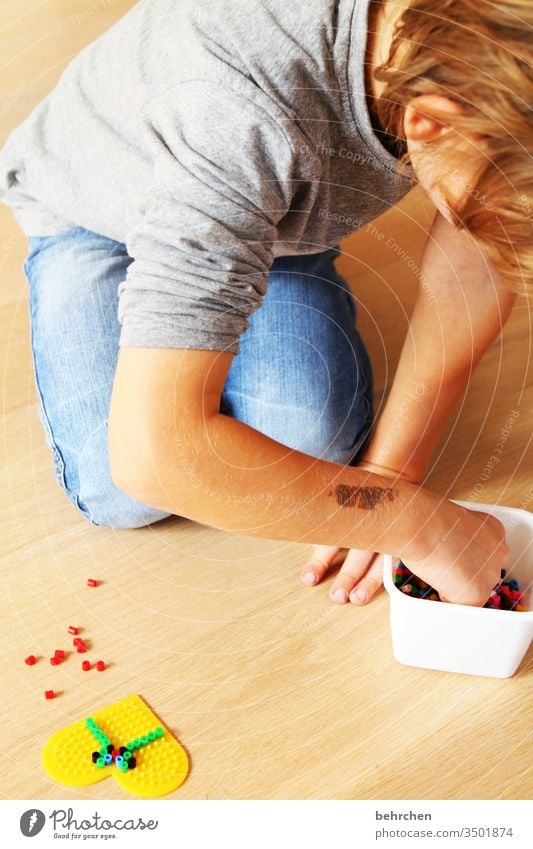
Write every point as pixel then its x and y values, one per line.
pixel 108 758
pixel 118 760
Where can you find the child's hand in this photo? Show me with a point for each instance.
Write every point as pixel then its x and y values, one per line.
pixel 467 551
pixel 359 578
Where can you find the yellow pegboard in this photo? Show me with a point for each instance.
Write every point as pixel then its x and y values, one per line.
pixel 161 765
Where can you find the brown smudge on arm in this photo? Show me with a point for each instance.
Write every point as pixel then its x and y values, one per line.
pixel 364 497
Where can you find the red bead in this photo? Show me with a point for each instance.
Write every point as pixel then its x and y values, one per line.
pixel 86 665
pixel 55 661
pixel 81 649
pixel 73 630
pixel 49 694
pixel 114 753
pixel 91 582
pixel 77 641
pixel 100 665
pixel 59 653
pixel 30 660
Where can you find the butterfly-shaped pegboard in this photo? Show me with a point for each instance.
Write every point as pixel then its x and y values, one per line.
pixel 151 763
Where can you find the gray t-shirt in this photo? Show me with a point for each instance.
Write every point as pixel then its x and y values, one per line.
pixel 209 137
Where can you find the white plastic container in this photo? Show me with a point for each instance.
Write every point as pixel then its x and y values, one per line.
pixel 460 638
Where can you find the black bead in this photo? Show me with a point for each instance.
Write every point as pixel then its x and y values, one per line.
pixel 132 763
pixel 95 756
pixel 110 748
pixel 122 750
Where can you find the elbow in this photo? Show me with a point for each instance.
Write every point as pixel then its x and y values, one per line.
pixel 130 474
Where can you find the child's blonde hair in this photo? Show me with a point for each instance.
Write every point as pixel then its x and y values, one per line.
pixel 478 53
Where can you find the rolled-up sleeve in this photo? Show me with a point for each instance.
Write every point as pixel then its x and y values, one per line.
pixel 203 242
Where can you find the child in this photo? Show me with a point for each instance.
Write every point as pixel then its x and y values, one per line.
pixel 184 188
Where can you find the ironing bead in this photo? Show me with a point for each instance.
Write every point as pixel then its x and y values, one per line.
pixel 73 630
pixel 91 582
pixel 108 758
pixel 86 665
pixel 30 660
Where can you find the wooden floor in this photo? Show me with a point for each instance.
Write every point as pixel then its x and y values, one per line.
pixel 274 691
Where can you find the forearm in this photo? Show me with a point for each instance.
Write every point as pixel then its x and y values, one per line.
pixel 461 307
pixel 227 475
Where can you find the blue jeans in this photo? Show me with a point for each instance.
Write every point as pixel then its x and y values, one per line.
pixel 302 375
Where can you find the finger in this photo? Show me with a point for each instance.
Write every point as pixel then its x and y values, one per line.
pixel 356 563
pixel 321 560
pixel 370 583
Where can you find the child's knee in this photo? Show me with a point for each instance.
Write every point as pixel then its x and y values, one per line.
pixel 98 498
pixel 114 509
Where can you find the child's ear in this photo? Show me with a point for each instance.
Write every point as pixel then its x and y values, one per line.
pixel 420 123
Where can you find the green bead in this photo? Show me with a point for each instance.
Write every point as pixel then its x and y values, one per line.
pixel 100 763
pixel 135 744
pixel 127 755
pixel 159 732
pixel 123 767
pixel 151 736
pixel 89 722
pixel 143 740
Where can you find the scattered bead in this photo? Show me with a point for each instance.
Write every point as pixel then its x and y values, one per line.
pixel 81 649
pixel 55 660
pixel 86 665
pixel 59 653
pixel 49 694
pixel 73 630
pixel 91 582
pixel 100 665
pixel 30 660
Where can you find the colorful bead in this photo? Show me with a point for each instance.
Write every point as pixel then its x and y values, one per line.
pixel 49 694
pixel 95 756
pixel 143 740
pixel 59 653
pixel 126 754
pixel 100 665
pixel 73 630
pixel 119 759
pixel 30 660
pixel 123 766
pixel 505 596
pixel 86 665
pixel 81 649
pixel 55 661
pixel 132 763
pixel 91 582
pixel 108 758
pixel 159 732
pixel 100 763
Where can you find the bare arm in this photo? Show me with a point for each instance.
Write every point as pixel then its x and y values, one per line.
pixel 460 310
pixel 171 448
